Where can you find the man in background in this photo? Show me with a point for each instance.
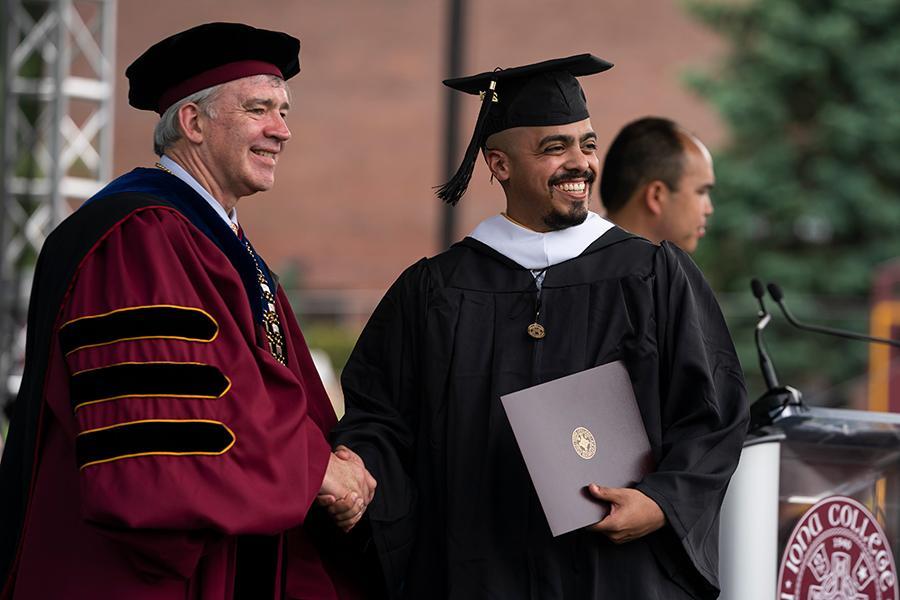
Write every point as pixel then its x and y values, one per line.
pixel 656 182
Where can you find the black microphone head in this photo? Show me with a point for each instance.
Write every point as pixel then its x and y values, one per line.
pixel 757 287
pixel 775 292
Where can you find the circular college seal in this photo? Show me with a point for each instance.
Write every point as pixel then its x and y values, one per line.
pixel 837 551
pixel 584 443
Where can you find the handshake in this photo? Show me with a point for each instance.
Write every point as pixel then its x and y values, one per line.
pixel 347 489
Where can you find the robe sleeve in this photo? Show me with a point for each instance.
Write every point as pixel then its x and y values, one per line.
pixel 183 427
pixel 382 392
pixel 703 409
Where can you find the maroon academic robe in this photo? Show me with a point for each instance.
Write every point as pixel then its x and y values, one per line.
pixel 167 432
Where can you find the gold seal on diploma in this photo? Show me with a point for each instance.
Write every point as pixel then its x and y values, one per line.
pixel 584 443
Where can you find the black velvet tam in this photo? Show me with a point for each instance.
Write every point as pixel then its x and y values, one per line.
pixel 208 55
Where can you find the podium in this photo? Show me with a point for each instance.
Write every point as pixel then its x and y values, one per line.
pixel 813 509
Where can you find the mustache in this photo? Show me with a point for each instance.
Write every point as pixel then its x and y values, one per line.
pixel 588 177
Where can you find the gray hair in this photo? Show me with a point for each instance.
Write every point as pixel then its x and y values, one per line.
pixel 168 130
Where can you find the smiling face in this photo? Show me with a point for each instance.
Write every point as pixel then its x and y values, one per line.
pixel 546 172
pixel 686 209
pixel 244 132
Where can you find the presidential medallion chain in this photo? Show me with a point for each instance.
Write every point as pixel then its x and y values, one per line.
pixel 270 315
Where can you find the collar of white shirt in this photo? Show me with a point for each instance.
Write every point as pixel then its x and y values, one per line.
pixel 186 177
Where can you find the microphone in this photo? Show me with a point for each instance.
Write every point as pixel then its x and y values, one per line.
pixel 758 292
pixel 778 297
pixel 778 402
pixel 765 363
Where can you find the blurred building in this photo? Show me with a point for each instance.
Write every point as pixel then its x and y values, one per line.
pixel 353 202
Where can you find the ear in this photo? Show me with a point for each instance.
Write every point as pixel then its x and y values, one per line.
pixel 189 119
pixel 655 197
pixel 498 162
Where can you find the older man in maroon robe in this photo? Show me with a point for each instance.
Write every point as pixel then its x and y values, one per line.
pixel 168 440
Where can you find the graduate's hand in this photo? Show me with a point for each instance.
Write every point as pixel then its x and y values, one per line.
pixel 632 514
pixel 346 512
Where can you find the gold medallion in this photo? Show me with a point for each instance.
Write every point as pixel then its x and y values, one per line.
pixel 536 330
pixel 584 443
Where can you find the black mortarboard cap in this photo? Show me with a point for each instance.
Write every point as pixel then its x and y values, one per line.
pixel 536 95
pixel 205 56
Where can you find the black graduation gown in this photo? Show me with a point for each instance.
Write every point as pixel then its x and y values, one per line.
pixel 455 514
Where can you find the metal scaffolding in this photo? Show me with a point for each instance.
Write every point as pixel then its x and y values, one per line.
pixel 56 147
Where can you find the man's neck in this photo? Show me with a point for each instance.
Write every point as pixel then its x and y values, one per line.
pixel 635 222
pixel 170 166
pixel 196 168
pixel 522 219
pixel 515 222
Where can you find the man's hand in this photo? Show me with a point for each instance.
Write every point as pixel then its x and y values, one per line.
pixel 632 514
pixel 347 489
pixel 345 453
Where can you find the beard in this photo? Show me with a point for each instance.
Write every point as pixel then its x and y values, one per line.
pixel 575 214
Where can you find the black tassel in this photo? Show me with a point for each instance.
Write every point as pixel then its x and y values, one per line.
pixel 453 190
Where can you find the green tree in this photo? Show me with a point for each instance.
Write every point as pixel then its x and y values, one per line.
pixel 808 190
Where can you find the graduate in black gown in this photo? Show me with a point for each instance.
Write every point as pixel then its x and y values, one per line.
pixel 544 290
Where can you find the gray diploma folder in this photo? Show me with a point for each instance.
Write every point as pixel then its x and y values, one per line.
pixel 580 429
